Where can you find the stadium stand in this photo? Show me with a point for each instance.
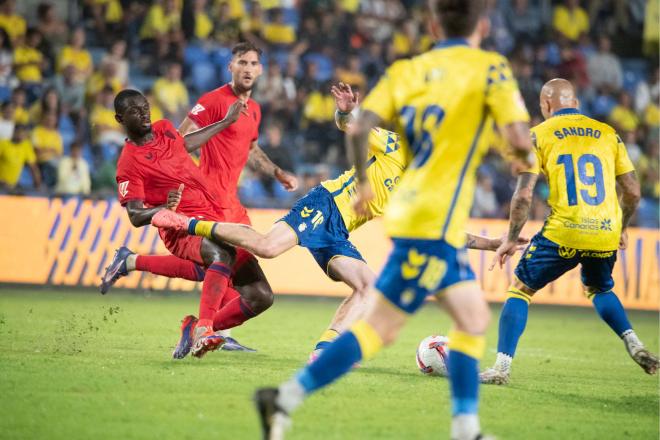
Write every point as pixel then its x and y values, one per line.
pixel 59 62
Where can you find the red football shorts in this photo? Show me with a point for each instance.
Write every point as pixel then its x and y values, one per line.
pixel 189 247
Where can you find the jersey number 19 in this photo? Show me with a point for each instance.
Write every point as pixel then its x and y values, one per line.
pixel 591 180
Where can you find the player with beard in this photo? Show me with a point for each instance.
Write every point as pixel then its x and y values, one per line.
pixel 222 160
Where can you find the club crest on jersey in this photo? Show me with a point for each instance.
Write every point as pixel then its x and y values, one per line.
pixel 197 109
pixel 123 188
pixel 566 252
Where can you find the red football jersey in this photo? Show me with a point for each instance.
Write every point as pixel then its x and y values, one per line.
pixel 148 172
pixel 224 156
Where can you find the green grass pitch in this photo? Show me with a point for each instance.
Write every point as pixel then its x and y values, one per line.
pixel 77 365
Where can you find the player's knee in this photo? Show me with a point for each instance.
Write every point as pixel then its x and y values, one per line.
pixel 475 321
pixel 259 297
pixel 213 253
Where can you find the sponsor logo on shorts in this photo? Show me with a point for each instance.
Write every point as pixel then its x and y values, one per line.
pixel 302 227
pixel 596 254
pixel 566 252
pixel 306 212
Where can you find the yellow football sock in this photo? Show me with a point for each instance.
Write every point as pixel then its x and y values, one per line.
pixel 471 345
pixel 328 335
pixel 369 340
pixel 517 293
pixel 204 228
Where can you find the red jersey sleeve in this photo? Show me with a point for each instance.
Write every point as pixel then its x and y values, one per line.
pixel 130 183
pixel 207 110
pixel 257 111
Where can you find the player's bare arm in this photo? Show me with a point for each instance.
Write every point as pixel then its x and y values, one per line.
pixel 518 137
pixel 491 244
pixel 345 101
pixel 139 215
pixel 259 161
pixel 520 204
pixel 630 194
pixel 356 139
pixel 187 126
pixel 195 139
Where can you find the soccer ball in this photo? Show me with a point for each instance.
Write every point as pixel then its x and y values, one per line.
pixel 432 355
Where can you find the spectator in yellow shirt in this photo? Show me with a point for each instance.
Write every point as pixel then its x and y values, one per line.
pixel 203 23
pixel 49 103
pixel 156 111
pixel 277 32
pixel 623 117
pixel 105 77
pixel 73 173
pixel 351 73
pixel 76 55
pixel 28 60
pixel 171 94
pixel 48 147
pixel 15 153
pixel 107 16
pixel 12 23
pixel 570 20
pixel 106 131
pixel 19 100
pixel 162 28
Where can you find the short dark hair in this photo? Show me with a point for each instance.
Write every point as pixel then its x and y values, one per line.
pixel 121 100
pixel 458 18
pixel 245 47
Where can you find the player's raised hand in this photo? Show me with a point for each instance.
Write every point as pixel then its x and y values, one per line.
pixel 506 250
pixel 364 195
pixel 174 198
pixel 345 99
pixel 289 181
pixel 235 110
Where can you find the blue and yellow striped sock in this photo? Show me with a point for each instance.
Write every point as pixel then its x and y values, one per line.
pixel 326 338
pixel 360 342
pixel 201 228
pixel 611 311
pixel 465 350
pixel 513 321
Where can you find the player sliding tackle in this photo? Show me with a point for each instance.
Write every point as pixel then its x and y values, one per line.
pixel 445 102
pixel 585 161
pixel 154 161
pixel 322 220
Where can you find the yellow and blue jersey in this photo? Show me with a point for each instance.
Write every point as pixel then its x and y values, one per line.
pixel 581 158
pixel 385 165
pixel 444 102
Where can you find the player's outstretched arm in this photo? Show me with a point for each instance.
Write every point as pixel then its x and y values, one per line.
pixel 259 161
pixel 630 193
pixel 345 101
pixel 518 137
pixel 491 244
pixel 356 139
pixel 520 204
pixel 195 139
pixel 139 215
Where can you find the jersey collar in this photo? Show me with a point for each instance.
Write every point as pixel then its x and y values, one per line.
pixel 567 111
pixel 450 42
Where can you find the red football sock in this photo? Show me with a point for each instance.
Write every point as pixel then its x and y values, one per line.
pixel 233 314
pixel 230 294
pixel 213 290
pixel 169 266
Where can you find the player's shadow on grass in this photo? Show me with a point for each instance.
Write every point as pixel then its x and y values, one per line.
pixel 640 404
pixel 391 372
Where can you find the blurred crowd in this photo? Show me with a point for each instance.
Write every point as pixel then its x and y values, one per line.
pixel 61 63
